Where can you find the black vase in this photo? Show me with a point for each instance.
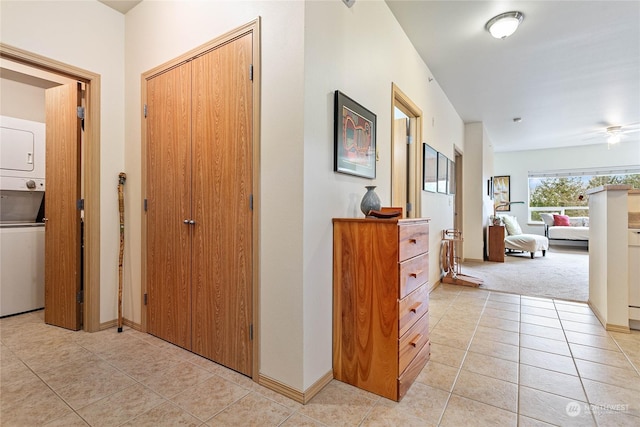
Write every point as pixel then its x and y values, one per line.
pixel 370 201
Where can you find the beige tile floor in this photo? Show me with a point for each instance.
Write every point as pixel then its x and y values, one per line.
pixel 497 360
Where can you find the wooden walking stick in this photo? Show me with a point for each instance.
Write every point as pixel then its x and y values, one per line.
pixel 121 179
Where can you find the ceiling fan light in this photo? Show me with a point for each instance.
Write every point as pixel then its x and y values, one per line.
pixel 613 138
pixel 614 134
pixel 505 24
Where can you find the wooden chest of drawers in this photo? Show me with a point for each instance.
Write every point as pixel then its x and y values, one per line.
pixel 380 303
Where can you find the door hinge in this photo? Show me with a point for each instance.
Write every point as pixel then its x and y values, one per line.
pixel 409 207
pixel 145 299
pixel 251 201
pixel 145 110
pixel 80 297
pixel 81 113
pixel 145 205
pixel 80 204
pixel 251 72
pixel 251 332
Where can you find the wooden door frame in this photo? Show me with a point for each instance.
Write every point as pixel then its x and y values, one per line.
pixel 407 106
pixel 254 28
pixel 458 199
pixel 90 176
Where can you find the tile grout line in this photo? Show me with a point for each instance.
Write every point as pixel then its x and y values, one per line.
pixel 455 380
pixel 573 360
pixel 45 383
pixel 544 391
pixel 135 381
pixel 519 360
pixel 364 418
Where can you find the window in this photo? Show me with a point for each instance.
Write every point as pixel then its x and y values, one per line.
pixel 564 191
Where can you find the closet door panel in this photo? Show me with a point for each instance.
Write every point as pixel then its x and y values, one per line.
pixel 62 265
pixel 169 205
pixel 222 171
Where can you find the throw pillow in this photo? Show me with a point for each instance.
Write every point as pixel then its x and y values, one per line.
pixel 576 222
pixel 561 220
pixel 547 218
pixel 512 226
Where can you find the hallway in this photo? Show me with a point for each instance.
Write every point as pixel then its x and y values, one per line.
pixel 497 359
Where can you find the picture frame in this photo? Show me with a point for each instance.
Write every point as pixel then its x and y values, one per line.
pixel 443 168
pixel 429 168
pixel 354 138
pixel 501 192
pixel 490 188
pixel 451 177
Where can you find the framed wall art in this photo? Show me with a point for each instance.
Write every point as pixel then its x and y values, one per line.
pixel 429 168
pixel 443 168
pixel 354 138
pixel 501 192
pixel 451 177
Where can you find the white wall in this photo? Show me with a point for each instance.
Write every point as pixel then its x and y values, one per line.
pixel 517 164
pixel 300 192
pixel 158 31
pixel 21 100
pixel 487 173
pixel 88 35
pixel 608 255
pixel 478 167
pixel 360 51
pixel 598 253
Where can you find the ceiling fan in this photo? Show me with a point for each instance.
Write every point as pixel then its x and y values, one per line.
pixel 615 134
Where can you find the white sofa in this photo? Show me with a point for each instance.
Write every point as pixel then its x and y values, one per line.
pixel 577 231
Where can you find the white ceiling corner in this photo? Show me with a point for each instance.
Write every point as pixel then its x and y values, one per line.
pixel 122 6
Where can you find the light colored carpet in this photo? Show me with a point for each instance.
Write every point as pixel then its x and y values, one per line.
pixel 563 273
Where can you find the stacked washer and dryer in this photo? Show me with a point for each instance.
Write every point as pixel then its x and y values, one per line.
pixel 22 188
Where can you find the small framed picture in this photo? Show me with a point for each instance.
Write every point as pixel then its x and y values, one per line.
pixel 429 168
pixel 443 169
pixel 451 177
pixel 501 192
pixel 354 138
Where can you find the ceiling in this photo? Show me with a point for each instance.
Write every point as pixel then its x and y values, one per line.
pixel 571 69
pixel 122 6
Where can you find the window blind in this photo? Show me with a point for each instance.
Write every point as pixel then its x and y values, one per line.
pixel 618 170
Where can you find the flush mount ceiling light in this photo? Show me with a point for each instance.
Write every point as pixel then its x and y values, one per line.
pixel 505 24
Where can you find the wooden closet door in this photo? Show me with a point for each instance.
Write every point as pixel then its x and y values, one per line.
pixel 169 205
pixel 222 175
pixel 62 267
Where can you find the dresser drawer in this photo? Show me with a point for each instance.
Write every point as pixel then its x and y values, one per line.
pixel 413 370
pixel 413 273
pixel 412 342
pixel 412 307
pixel 414 240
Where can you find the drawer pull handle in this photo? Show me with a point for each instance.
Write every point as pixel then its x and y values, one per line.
pixel 416 340
pixel 416 274
pixel 414 307
pixel 413 241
